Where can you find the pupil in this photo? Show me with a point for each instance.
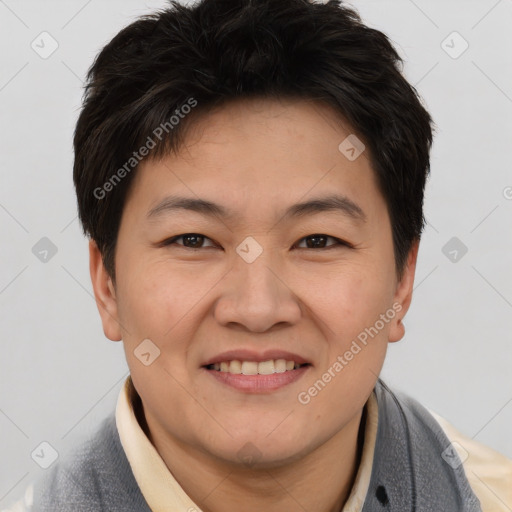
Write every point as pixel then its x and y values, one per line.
pixel 315 239
pixel 189 237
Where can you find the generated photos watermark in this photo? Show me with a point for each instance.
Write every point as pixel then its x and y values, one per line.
pixel 304 397
pixel 137 156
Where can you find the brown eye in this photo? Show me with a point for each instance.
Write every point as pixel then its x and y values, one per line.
pixel 318 241
pixel 190 241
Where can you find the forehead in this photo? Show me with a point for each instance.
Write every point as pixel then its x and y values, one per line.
pixel 247 122
pixel 262 153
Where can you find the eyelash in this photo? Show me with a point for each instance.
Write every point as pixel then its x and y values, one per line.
pixel 339 242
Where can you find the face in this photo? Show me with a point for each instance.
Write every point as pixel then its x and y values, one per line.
pixel 309 291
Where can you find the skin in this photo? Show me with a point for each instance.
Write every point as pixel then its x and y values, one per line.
pixel 256 158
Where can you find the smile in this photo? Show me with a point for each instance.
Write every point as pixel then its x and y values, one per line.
pixel 257 377
pixel 269 367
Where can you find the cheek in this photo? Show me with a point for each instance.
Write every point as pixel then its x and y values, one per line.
pixel 352 306
pixel 158 304
pixel 357 337
pixel 349 300
pixel 157 298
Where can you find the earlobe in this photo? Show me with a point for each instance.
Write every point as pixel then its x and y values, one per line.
pixel 403 295
pixel 104 293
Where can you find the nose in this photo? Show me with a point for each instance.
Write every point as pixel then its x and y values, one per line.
pixel 256 297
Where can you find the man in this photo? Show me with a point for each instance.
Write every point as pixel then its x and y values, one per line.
pixel 251 177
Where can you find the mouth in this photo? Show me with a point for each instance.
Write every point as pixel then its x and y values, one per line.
pixel 269 367
pixel 250 372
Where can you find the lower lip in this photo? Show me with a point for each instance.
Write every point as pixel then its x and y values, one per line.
pixel 258 383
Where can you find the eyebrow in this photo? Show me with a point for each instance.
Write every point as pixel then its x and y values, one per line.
pixel 336 203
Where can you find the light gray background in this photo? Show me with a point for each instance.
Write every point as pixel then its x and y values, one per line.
pixel 59 375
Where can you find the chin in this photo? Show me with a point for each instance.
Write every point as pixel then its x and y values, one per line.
pixel 263 452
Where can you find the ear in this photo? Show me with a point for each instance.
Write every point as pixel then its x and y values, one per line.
pixel 403 295
pixel 104 293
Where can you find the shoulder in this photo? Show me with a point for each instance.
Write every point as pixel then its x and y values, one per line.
pixel 488 471
pixel 94 476
pixel 408 461
pixel 72 483
pixel 436 443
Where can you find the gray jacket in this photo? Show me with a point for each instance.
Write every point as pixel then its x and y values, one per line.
pixel 408 475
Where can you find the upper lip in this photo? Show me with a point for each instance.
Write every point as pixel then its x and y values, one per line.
pixel 250 355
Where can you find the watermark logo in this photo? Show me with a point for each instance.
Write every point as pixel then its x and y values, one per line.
pixel 454 45
pixel 352 147
pixel 146 352
pixel 454 249
pixel 454 455
pixel 44 455
pixel 44 250
pixel 249 454
pixel 249 249
pixel 44 45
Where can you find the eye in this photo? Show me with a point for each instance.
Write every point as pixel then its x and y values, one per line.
pixel 190 241
pixel 196 241
pixel 318 241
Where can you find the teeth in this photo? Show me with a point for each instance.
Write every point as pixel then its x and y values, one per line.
pixel 266 367
pixel 253 368
pixel 249 368
pixel 280 365
pixel 235 367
